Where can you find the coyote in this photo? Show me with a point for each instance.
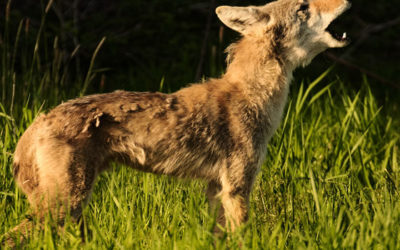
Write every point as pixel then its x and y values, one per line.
pixel 216 131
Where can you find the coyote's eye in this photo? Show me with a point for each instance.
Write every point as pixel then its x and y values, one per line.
pixel 304 6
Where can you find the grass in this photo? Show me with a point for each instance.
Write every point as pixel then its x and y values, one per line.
pixel 330 179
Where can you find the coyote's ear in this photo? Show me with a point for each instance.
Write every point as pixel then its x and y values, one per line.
pixel 242 19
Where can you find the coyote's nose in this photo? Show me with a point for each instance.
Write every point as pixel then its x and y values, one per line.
pixel 330 5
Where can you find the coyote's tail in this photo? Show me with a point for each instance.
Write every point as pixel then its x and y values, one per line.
pixel 16 236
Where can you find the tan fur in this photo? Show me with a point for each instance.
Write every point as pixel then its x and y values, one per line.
pixel 216 131
pixel 327 6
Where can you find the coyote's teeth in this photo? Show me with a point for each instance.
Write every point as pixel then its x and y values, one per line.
pixel 344 36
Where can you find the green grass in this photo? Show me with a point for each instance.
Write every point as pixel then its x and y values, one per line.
pixel 330 179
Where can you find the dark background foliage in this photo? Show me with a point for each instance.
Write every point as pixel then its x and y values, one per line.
pixel 180 41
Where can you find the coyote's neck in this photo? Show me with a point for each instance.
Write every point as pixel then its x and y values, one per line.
pixel 255 66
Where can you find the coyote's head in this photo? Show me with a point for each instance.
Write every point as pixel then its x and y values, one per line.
pixel 296 29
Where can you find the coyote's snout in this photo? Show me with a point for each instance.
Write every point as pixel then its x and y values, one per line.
pixel 216 131
pixel 295 31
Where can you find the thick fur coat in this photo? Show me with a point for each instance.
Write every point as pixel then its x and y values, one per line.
pixel 216 131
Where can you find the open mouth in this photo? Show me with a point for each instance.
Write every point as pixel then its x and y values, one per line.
pixel 341 37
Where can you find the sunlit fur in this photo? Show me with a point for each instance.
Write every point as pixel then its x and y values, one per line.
pixel 216 131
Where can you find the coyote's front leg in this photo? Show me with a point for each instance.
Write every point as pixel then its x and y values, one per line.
pixel 236 183
pixel 213 192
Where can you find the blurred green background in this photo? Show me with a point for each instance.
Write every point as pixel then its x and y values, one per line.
pixel 180 41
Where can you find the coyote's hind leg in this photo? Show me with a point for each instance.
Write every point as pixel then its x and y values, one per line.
pixel 63 181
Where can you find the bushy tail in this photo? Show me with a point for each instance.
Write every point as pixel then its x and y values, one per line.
pixel 16 236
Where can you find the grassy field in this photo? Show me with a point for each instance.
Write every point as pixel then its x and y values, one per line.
pixel 330 179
